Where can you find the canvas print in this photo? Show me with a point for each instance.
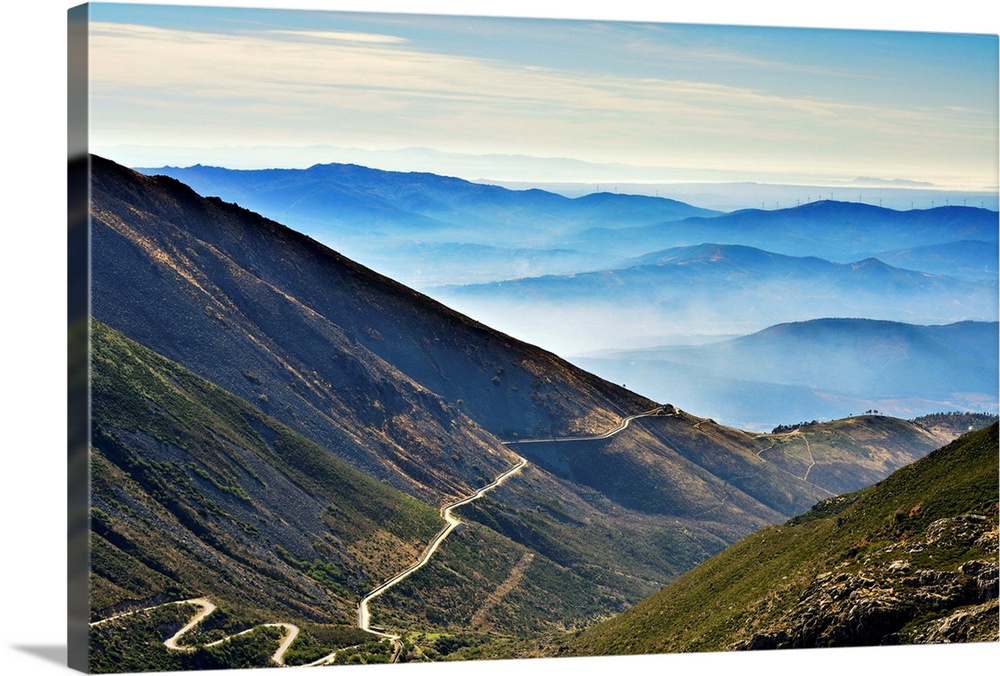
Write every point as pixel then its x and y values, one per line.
pixel 414 338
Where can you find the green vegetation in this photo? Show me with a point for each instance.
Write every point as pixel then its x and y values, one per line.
pixel 450 593
pixel 758 592
pixel 196 493
pixel 135 644
pixel 316 641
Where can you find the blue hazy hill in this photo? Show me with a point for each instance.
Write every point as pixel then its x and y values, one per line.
pixel 821 369
pixel 712 289
pixel 392 201
pixel 418 227
pixel 713 274
pixel 966 259
pixel 834 230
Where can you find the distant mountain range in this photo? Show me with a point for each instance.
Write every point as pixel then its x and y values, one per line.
pixel 841 231
pixel 824 368
pixel 276 427
pixel 423 219
pixel 713 288
pixel 965 259
pixel 608 272
pixel 361 198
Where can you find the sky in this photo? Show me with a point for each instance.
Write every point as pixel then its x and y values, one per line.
pixel 542 100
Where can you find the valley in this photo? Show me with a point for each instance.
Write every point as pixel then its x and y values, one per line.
pixel 281 430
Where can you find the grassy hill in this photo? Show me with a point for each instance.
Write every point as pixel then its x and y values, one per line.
pixel 911 559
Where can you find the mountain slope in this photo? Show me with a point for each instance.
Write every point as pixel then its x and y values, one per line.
pixel 910 559
pixel 274 317
pixel 196 493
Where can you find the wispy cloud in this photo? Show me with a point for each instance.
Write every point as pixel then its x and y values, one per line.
pixel 378 90
pixel 341 36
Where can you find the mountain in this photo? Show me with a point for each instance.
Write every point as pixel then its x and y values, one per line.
pixel 912 559
pixel 373 199
pixel 277 427
pixel 841 231
pixel 823 368
pixel 965 259
pixel 278 319
pixel 413 225
pixel 712 288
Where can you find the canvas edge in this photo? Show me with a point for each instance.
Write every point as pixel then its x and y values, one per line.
pixel 78 334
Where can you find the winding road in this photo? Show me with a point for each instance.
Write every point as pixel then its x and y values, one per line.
pixel 451 523
pixel 206 608
pixel 812 462
pixel 658 411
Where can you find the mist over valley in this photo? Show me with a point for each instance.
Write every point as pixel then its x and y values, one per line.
pixel 597 277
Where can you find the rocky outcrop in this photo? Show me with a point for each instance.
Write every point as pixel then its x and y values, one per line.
pixel 900 595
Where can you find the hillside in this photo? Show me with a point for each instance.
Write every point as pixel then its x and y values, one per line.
pixel 277 427
pixel 912 559
pixel 325 345
pixel 197 493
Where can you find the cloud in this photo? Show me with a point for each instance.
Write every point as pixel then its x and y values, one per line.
pixel 174 87
pixel 342 36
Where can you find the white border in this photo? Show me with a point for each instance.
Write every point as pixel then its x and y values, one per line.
pixel 33 272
